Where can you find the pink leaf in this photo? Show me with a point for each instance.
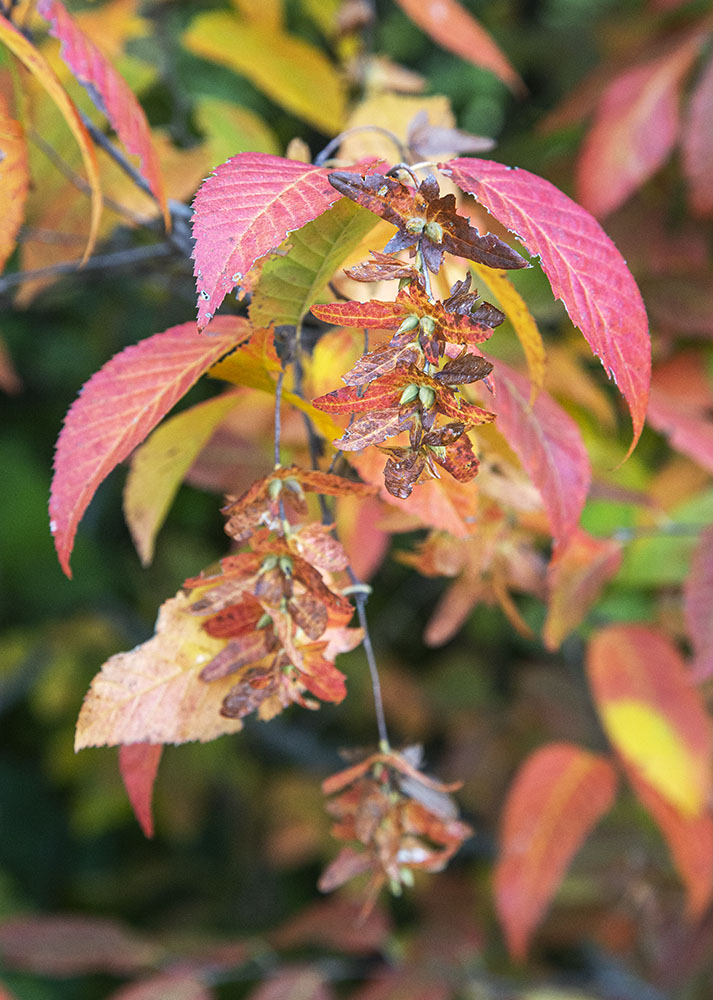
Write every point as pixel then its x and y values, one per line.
pixel 548 443
pixel 243 211
pixel 110 92
pixel 634 131
pixel 558 795
pixel 119 406
pixel 680 406
pixel 698 144
pixel 697 605
pixel 138 764
pixel 583 266
pixel 449 24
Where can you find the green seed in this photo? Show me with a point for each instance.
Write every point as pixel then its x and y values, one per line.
pixel 409 394
pixel 417 225
pixel 426 396
pixel 434 232
pixel 409 323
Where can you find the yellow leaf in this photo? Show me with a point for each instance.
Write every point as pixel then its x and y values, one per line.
pixel 40 68
pixel 14 181
pixel 159 466
pixel 513 305
pixel 230 129
pixel 647 740
pixel 394 113
pixel 293 73
pixel 153 693
pixel 269 13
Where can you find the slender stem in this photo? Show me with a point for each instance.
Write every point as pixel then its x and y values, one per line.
pixel 405 167
pixel 117 156
pixel 120 258
pixel 322 157
pixel 360 599
pixel 278 416
pixel 421 260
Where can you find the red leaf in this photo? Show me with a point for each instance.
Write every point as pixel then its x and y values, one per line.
pixel 690 841
pixel 558 795
pixel 243 211
pixel 635 129
pixel 119 406
pixel 653 716
pixel 583 266
pixel 138 764
pixel 697 605
pixel 374 314
pixel 165 986
pixel 110 92
pixel 458 31
pixel 548 443
pixel 698 144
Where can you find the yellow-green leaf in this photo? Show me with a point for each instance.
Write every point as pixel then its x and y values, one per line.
pixel 291 283
pixel 523 323
pixel 36 63
pixel 292 72
pixel 159 466
pixel 230 129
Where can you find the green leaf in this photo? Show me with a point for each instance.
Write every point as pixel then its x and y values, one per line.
pixel 293 73
pixel 293 279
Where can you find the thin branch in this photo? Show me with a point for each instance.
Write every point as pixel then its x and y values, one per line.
pixel 119 258
pixel 105 143
pixel 278 416
pixel 322 157
pixel 360 599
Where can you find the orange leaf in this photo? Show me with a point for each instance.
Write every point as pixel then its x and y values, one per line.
pixel 458 31
pixel 577 576
pixel 119 406
pixel 40 68
pixel 558 795
pixel 653 716
pixel 154 693
pixel 690 841
pixel 14 181
pixel 634 131
pixel 110 92
pixel 138 764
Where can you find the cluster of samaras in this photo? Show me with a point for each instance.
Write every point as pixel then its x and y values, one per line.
pixel 275 602
pixel 412 383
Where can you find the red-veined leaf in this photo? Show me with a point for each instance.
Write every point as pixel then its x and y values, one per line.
pixel 14 181
pixel 548 443
pixel 138 764
pixel 110 92
pixel 576 578
pixel 634 131
pixel 690 841
pixel 449 24
pixel 373 314
pixel 583 266
pixel 243 211
pixel 697 605
pixel 119 406
pixel 40 68
pixel 698 144
pixel 653 716
pixel 558 795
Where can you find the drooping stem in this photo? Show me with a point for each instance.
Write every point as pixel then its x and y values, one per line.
pixel 360 599
pixel 321 158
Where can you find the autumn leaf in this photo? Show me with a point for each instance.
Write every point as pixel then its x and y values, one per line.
pixel 653 716
pixel 697 604
pixel 449 24
pixel 154 694
pixel 290 282
pixel 523 322
pixel 138 764
pixel 680 406
pixel 36 63
pixel 110 93
pixel 690 841
pixel 292 72
pixel 159 465
pixel 118 407
pixel 244 210
pixel 558 795
pixel 583 266
pixel 164 985
pixel 635 129
pixel 697 143
pixel 576 578
pixel 548 443
pixel 14 180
